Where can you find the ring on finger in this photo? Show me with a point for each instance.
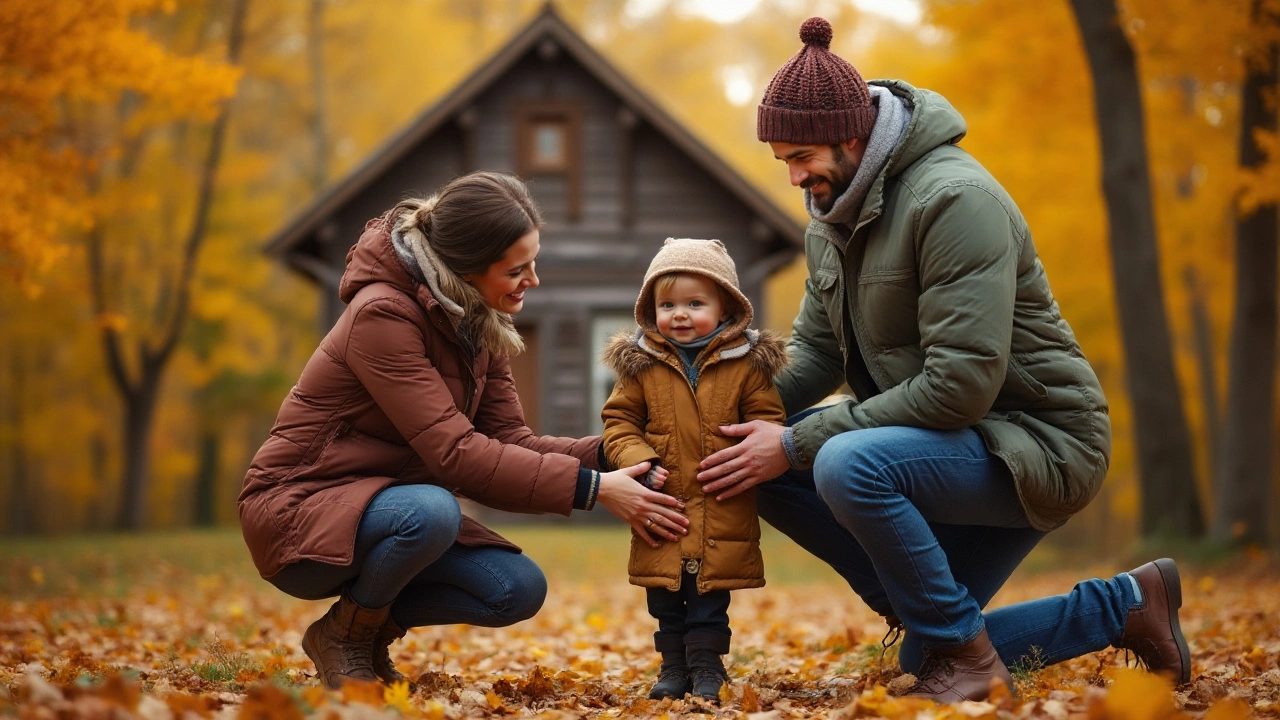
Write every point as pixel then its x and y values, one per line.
pixel 648 522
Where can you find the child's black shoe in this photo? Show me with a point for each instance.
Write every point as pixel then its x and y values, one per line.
pixel 707 675
pixel 673 678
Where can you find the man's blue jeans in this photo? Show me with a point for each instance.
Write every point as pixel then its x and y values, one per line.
pixel 926 525
pixel 406 556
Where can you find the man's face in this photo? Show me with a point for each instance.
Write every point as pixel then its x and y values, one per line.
pixel 824 170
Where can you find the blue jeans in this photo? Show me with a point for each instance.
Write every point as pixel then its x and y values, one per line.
pixel 406 556
pixel 926 525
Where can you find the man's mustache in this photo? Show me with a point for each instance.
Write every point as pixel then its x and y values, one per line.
pixel 813 180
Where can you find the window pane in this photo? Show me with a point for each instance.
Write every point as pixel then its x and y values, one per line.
pixel 603 326
pixel 549 144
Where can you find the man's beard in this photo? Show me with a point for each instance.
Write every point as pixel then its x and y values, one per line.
pixel 841 178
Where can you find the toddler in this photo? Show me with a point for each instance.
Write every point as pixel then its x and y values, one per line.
pixel 690 367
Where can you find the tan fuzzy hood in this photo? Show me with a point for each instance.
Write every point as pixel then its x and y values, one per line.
pixel 708 258
pixel 628 354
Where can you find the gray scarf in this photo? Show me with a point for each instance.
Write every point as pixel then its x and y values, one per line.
pixel 891 125
pixel 689 351
pixel 423 273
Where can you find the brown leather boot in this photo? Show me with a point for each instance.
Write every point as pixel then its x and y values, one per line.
pixel 382 665
pixel 964 672
pixel 340 643
pixel 1152 631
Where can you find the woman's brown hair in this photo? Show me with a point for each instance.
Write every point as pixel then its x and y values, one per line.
pixel 461 230
pixel 472 221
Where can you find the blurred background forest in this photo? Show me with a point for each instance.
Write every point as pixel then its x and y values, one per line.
pixel 149 148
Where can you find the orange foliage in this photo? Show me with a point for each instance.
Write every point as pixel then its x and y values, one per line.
pixel 800 651
pixel 58 56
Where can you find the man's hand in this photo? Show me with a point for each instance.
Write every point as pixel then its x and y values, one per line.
pixel 758 458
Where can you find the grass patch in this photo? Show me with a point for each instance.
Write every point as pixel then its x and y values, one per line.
pixel 113 565
pixel 1026 669
pixel 224 666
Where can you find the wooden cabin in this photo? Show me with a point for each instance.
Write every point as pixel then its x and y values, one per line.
pixel 614 175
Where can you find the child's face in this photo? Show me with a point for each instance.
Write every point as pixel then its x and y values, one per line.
pixel 689 307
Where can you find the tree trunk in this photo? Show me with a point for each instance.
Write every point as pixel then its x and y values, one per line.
pixel 315 58
pixel 19 514
pixel 100 510
pixel 1244 476
pixel 206 491
pixel 1170 505
pixel 139 414
pixel 1202 340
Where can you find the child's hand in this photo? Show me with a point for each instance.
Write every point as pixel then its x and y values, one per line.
pixel 655 478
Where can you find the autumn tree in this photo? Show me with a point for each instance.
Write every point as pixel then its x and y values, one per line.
pixel 1245 466
pixel 1170 504
pixel 138 345
pixel 75 53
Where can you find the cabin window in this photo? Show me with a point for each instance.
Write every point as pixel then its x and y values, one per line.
pixel 549 155
pixel 603 326
pixel 549 146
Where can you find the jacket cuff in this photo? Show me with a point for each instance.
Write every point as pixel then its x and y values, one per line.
pixel 789 447
pixel 584 496
pixel 602 460
pixel 807 436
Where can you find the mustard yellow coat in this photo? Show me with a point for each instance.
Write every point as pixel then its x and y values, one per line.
pixel 654 413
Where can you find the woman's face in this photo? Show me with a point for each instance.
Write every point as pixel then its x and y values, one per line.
pixel 502 286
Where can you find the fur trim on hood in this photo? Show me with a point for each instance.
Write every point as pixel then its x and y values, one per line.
pixel 628 354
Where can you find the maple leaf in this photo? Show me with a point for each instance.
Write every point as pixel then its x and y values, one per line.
pixel 268 702
pixel 182 703
pixel 1230 709
pixel 1135 695
pixel 432 682
pixel 396 695
pixel 365 692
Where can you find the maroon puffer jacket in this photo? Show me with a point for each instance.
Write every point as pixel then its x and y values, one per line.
pixel 390 398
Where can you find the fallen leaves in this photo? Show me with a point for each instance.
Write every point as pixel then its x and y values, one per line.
pixel 229 648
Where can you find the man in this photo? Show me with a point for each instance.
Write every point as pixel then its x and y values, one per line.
pixel 978 425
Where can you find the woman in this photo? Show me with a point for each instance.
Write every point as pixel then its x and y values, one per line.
pixel 408 400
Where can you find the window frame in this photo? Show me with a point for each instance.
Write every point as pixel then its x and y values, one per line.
pixel 529 114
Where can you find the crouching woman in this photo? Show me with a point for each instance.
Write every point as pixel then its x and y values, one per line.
pixel 408 401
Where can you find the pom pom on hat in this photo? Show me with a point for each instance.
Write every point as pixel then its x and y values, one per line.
pixel 816 31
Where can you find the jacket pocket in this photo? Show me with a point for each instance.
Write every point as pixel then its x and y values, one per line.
pixel 826 284
pixel 1020 389
pixel 323 440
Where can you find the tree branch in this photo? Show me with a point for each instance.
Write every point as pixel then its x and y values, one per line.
pixel 204 198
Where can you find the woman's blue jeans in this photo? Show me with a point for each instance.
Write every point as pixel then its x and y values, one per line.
pixel 926 525
pixel 406 556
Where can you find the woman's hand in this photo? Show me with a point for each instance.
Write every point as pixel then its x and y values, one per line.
pixel 651 514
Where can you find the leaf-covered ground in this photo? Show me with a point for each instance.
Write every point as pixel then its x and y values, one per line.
pixel 178 625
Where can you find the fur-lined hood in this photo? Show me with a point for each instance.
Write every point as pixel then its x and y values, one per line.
pixel 628 354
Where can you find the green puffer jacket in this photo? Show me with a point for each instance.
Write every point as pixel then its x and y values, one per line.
pixel 952 311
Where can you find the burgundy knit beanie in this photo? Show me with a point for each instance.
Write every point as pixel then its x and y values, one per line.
pixel 816 98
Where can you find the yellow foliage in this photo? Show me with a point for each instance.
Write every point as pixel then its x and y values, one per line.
pixel 1229 709
pixel 58 58
pixel 396 695
pixel 1014 69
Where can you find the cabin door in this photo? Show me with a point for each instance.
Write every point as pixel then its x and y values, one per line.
pixel 524 371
